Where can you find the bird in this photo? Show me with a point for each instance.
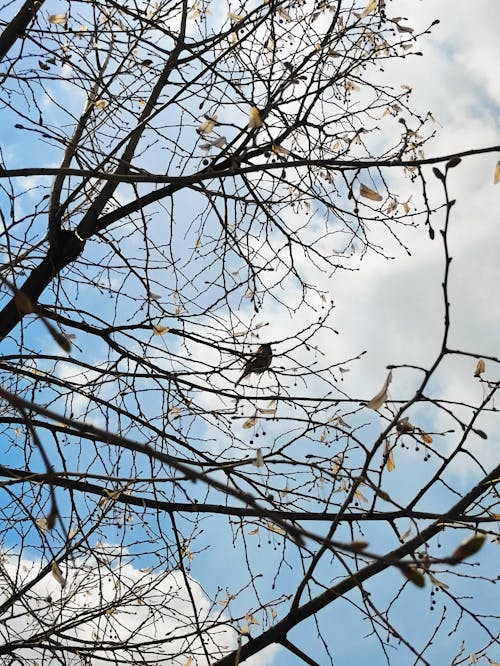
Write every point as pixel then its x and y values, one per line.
pixel 258 362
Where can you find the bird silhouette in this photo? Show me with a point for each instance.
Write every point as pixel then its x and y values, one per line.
pixel 258 362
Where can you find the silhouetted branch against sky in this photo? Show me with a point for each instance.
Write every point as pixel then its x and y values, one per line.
pixel 249 335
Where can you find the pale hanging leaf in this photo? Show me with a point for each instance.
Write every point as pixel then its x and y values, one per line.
pixel 188 662
pixel 279 150
pixel 57 573
pixel 219 142
pixel 259 459
pixel 368 193
pixel 284 13
pixel 413 575
pixel 405 536
pixel 378 400
pixel 274 613
pixel 42 524
pixel 275 528
pixel 100 104
pixel 175 410
pixel 389 457
pixel 403 28
pixel 480 368
pixel 254 119
pixel 196 10
pixel 437 582
pixel 178 309
pixel 249 294
pixel 58 19
pixel 427 439
pixel 251 619
pixel 160 330
pixel 496 177
pixel 244 630
pixel 284 493
pixel 323 436
pixel 254 531
pixel 359 495
pixel 469 547
pixel 207 125
pixel 370 7
pixel 249 423
pixel 185 552
pixel 235 18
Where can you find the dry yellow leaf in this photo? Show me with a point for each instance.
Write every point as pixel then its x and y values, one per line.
pixel 188 661
pixel 279 150
pixel 254 119
pixel 252 532
pixel 389 457
pixel 100 104
pixel 160 330
pixel 378 400
pixel 275 528
pixel 57 573
pixel 207 125
pixel 368 193
pixel 235 17
pixel 480 368
pixel 249 423
pixel 427 439
pixel 58 19
pixel 251 619
pixel 370 7
pixel 497 173
pixel 274 613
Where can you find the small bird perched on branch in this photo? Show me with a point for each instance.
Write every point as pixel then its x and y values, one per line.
pixel 258 362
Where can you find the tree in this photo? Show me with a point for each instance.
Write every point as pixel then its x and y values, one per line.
pixel 219 172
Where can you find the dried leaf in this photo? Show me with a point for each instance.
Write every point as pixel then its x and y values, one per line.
pixel 437 582
pixel 249 423
pixel 275 528
pixel 413 575
pixel 208 124
pixel 188 661
pixel 57 573
pixel 370 7
pixel 259 459
pixel 42 525
pixel 359 495
pixel 284 13
pixel 23 303
pixel 251 619
pixel 389 457
pixel 368 193
pixel 235 17
pixel 279 150
pixel 378 400
pixel 496 177
pixel 469 547
pixel 480 368
pixel 58 19
pixel 100 104
pixel 274 614
pixel 254 119
pixel 427 439
pixel 252 532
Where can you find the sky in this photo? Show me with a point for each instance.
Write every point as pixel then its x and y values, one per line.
pixel 393 311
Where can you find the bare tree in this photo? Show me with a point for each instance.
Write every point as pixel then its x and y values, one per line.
pixel 217 170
